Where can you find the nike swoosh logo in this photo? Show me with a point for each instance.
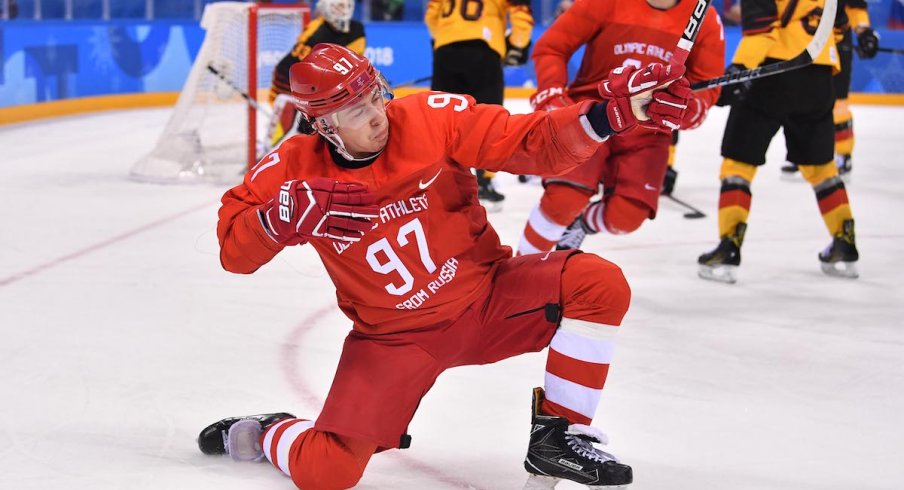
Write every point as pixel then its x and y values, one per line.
pixel 423 185
pixel 649 187
pixel 546 256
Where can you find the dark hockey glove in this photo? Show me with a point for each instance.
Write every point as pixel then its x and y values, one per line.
pixel 736 92
pixel 515 56
pixel 318 208
pixel 867 43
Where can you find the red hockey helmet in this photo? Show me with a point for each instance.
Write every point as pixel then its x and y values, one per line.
pixel 330 77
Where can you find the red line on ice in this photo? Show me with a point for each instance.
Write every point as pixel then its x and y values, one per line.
pixel 6 281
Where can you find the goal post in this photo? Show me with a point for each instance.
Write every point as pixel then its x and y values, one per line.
pixel 212 133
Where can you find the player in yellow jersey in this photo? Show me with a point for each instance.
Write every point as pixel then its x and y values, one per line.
pixel 333 24
pixel 470 46
pixel 799 102
pixel 853 20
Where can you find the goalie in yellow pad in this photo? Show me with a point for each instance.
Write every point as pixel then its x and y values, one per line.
pixel 333 24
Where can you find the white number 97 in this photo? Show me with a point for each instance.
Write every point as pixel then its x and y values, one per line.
pixel 343 69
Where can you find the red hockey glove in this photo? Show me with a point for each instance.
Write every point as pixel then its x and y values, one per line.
pixel 668 108
pixel 695 113
pixel 629 92
pixel 319 208
pixel 550 99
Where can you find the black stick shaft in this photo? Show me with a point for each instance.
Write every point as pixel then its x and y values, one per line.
pixel 686 205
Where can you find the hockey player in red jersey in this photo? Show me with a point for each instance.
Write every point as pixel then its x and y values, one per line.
pixel 385 196
pixel 629 33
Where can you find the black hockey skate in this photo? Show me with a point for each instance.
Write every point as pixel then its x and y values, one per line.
pixel 487 193
pixel 722 263
pixel 844 164
pixel 238 436
pixel 839 259
pixel 574 235
pixel 559 451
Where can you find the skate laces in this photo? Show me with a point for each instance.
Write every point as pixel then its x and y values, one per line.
pixel 574 235
pixel 580 439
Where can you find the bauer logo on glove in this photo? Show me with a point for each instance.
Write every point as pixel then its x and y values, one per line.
pixel 319 208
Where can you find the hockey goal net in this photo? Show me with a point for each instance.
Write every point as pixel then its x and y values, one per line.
pixel 212 134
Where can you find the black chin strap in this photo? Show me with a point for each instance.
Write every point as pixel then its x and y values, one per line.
pixel 343 162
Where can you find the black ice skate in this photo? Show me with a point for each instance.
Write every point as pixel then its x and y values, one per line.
pixel 722 263
pixel 839 259
pixel 487 194
pixel 559 451
pixel 843 162
pixel 789 171
pixel 238 437
pixel 574 235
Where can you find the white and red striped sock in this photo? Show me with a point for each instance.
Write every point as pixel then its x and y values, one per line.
pixel 540 233
pixel 593 216
pixel 277 440
pixel 576 369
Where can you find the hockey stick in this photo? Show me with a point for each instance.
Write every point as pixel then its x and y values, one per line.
pixel 253 103
pixel 823 30
pixel 685 44
pixel 890 50
pixel 412 82
pixel 683 49
pixel 694 213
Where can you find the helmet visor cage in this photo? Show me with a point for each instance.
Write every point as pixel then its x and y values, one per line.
pixel 360 111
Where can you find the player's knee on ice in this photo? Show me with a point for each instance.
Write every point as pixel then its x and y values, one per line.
pixel 326 461
pixel 594 290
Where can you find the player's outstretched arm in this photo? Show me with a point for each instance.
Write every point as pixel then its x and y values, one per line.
pixel 551 143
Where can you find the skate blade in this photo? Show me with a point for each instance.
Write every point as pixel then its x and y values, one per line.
pixel 243 442
pixel 723 273
pixel 791 177
pixel 844 270
pixel 537 482
pixel 492 207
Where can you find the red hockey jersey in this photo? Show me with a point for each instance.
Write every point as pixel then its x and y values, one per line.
pixel 432 251
pixel 625 32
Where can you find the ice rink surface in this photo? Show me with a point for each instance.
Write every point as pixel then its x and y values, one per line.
pixel 122 337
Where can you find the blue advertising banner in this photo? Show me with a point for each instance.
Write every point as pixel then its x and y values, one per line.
pixel 54 60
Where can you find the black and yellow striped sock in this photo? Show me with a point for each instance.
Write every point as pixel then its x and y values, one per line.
pixel 734 195
pixel 831 195
pixel 844 128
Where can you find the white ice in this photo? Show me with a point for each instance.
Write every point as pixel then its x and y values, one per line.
pixel 122 337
